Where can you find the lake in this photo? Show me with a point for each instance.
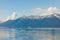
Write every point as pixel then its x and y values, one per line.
pixel 29 33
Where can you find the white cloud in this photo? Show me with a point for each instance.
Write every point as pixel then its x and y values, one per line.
pixel 38 10
pixel 45 11
pixel 13 16
pixel 10 17
pixel 53 10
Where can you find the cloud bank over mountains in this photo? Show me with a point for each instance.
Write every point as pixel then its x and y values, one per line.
pixel 45 11
pixel 36 11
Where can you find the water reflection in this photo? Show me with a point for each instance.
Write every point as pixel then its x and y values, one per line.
pixel 29 34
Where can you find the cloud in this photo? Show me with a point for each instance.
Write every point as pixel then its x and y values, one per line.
pixel 53 10
pixel 13 16
pixel 38 10
pixel 4 19
pixel 10 17
pixel 45 11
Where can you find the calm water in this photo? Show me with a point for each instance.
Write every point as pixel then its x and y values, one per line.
pixel 29 34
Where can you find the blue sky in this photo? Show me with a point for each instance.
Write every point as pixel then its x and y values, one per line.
pixel 23 7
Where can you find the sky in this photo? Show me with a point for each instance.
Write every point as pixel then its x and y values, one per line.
pixel 27 7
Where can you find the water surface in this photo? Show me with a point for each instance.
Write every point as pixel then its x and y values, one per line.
pixel 29 34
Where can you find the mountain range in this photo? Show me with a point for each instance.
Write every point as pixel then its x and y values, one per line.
pixel 34 21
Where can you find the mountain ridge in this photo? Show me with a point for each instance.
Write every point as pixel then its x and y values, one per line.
pixel 49 21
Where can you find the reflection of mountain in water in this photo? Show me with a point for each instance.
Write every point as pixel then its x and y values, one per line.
pixel 37 34
pixel 34 21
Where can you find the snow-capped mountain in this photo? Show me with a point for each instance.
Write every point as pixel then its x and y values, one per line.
pixel 51 20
